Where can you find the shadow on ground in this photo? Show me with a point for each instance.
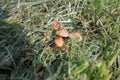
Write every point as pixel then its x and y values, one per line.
pixel 13 48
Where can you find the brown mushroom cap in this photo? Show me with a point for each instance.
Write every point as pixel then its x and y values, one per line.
pixel 59 42
pixel 79 35
pixel 63 33
pixel 76 34
pixel 57 25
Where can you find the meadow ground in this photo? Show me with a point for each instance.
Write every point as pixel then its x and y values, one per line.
pixel 28 51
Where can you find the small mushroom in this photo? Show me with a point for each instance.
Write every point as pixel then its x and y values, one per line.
pixel 57 25
pixel 59 42
pixel 79 35
pixel 76 34
pixel 63 33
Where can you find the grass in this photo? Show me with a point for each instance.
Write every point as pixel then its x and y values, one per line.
pixel 26 54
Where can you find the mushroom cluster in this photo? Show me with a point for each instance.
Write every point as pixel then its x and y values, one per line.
pixel 63 33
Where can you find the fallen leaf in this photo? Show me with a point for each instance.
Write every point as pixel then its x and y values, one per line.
pixel 59 42
pixel 57 25
pixel 63 33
